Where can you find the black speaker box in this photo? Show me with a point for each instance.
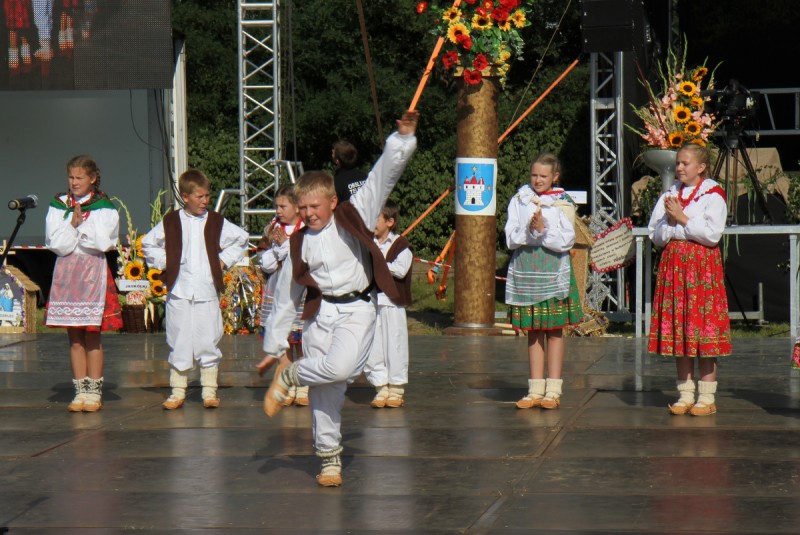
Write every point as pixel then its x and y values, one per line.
pixel 613 25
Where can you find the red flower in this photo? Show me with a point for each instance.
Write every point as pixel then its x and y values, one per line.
pixel 422 7
pixel 472 77
pixel 500 15
pixel 487 4
pixel 450 59
pixel 465 42
pixel 480 11
pixel 509 4
pixel 480 62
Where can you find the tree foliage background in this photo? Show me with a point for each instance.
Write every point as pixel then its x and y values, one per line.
pixel 332 98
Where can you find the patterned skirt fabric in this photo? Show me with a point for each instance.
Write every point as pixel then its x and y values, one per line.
pixel 112 311
pixel 690 306
pixel 550 314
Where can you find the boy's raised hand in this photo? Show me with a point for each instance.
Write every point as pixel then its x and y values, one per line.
pixel 408 123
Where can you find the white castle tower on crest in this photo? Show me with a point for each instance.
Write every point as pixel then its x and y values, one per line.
pixel 474 188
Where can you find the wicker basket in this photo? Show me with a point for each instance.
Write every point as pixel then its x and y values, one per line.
pixel 133 319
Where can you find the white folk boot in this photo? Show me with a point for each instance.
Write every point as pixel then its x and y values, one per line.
pixel 208 380
pixel 552 395
pixel 705 400
pixel 395 398
pixel 178 381
pixel 93 400
pixel 381 395
pixel 301 399
pixel 76 405
pixel 331 473
pixel 685 402
pixel 534 396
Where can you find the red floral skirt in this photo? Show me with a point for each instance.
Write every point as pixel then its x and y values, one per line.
pixel 112 312
pixel 690 307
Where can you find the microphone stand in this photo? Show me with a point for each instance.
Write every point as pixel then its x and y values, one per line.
pixel 7 248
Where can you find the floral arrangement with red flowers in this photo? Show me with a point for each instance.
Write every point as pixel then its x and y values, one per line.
pixel 479 34
pixel 676 115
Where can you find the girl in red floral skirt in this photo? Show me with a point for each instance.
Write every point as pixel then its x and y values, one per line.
pixel 690 307
pixel 541 291
pixel 82 224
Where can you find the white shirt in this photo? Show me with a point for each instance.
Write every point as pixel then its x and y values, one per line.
pixel 337 261
pixel 97 233
pixel 398 268
pixel 707 215
pixel 194 276
pixel 558 234
pixel 271 258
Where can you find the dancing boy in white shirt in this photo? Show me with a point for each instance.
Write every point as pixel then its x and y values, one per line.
pixel 335 258
pixel 194 246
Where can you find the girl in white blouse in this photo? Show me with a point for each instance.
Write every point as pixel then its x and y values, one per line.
pixel 690 307
pixel 82 224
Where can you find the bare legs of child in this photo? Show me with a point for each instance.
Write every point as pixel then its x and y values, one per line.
pixel 705 404
pixel 545 393
pixel 86 356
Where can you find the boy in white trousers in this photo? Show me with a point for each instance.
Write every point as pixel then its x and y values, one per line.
pixel 387 366
pixel 335 258
pixel 193 246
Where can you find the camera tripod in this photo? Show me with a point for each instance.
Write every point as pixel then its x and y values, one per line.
pixel 732 148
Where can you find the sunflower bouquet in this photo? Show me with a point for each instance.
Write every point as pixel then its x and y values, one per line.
pixel 138 284
pixel 677 114
pixel 479 34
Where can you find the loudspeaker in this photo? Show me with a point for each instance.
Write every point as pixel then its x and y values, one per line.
pixel 613 25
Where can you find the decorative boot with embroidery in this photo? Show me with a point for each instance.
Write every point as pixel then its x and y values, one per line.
pixel 395 398
pixel 331 473
pixel 178 381
pixel 76 405
pixel 93 398
pixel 208 380
pixel 301 399
pixel 534 396
pixel 552 393
pixel 685 402
pixel 277 394
pixel 705 405
pixel 381 395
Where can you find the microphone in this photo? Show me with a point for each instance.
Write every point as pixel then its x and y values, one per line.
pixel 29 201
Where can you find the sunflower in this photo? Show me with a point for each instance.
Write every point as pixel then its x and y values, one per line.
pixel 676 139
pixel 504 56
pixel 455 31
pixel 481 22
pixel 692 128
pixel 154 275
pixel 452 15
pixel 698 141
pixel 699 74
pixel 696 102
pixel 134 270
pixel 158 289
pixel 687 88
pixel 505 26
pixel 139 249
pixel 682 114
pixel 518 18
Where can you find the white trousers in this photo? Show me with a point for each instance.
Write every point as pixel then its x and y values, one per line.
pixel 336 344
pixel 388 360
pixel 194 329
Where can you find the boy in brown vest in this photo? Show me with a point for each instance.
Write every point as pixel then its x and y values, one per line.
pixel 387 366
pixel 337 261
pixel 194 246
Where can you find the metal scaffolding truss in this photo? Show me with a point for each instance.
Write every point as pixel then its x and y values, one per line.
pixel 606 290
pixel 260 148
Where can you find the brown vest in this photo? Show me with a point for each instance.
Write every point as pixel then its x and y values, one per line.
pixel 173 244
pixel 403 285
pixel 350 221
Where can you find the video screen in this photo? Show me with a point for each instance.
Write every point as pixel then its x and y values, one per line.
pixel 85 44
